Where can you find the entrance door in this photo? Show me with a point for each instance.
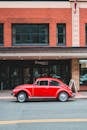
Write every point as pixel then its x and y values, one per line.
pixel 41 88
pixel 15 76
pixel 26 75
pixel 4 76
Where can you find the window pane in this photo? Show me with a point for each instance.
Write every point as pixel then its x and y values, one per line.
pixel 60 39
pixel 83 72
pixel 1 33
pixel 61 34
pixel 54 83
pixel 86 33
pixel 32 34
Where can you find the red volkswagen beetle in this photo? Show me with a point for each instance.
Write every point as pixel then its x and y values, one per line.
pixel 43 88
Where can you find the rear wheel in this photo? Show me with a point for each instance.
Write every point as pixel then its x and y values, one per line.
pixel 63 97
pixel 21 97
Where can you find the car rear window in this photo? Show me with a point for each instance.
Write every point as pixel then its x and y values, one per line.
pixel 54 83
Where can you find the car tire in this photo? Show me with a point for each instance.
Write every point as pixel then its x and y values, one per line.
pixel 21 97
pixel 63 96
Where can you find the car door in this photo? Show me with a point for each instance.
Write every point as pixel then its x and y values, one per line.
pixel 41 88
pixel 54 86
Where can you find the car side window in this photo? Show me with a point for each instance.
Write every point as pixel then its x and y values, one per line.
pixel 54 83
pixel 44 83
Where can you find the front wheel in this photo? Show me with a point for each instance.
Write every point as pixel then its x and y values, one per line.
pixel 63 97
pixel 21 97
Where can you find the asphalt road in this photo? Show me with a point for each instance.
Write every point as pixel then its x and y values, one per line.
pixel 43 115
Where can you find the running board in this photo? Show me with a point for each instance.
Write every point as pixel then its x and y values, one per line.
pixel 41 97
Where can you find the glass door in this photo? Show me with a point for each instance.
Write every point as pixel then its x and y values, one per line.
pixel 26 75
pixel 15 76
pixel 4 77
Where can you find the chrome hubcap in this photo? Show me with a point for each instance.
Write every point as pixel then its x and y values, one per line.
pixel 63 97
pixel 21 97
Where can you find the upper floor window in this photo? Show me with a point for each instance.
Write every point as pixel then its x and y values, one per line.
pixel 30 34
pixel 86 33
pixel 61 34
pixel 1 34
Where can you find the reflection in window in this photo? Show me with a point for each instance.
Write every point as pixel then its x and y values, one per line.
pixel 86 33
pixel 83 72
pixel 30 34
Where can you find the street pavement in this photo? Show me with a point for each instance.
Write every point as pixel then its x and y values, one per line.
pixel 6 94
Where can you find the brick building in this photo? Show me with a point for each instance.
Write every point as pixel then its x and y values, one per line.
pixel 42 38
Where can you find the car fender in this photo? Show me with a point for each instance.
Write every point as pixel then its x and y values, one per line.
pixel 59 91
pixel 26 91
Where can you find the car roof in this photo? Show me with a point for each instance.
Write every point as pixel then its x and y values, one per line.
pixel 48 78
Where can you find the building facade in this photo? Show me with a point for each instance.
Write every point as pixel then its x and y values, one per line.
pixel 43 38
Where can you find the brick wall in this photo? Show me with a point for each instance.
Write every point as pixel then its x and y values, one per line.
pixel 25 15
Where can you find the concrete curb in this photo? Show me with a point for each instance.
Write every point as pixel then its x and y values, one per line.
pixel 7 97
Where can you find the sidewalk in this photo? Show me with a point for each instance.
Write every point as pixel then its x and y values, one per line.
pixel 6 94
pixel 81 94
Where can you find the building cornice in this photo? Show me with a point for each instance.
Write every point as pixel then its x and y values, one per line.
pixel 38 4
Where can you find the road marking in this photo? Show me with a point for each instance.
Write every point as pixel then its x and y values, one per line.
pixel 44 121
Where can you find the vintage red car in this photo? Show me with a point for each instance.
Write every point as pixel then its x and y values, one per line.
pixel 43 88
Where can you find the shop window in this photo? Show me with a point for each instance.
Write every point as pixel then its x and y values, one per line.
pixel 83 72
pixel 61 34
pixel 1 34
pixel 30 34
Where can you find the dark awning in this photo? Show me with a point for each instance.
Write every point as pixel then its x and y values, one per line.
pixel 25 53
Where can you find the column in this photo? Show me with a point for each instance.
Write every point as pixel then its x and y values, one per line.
pixel 52 34
pixel 75 25
pixel 7 34
pixel 75 71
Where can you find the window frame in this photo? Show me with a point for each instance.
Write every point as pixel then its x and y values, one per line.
pixel 86 34
pixel 2 34
pixel 38 26
pixel 63 34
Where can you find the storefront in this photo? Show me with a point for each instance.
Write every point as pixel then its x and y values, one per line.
pixel 15 72
pixel 23 65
